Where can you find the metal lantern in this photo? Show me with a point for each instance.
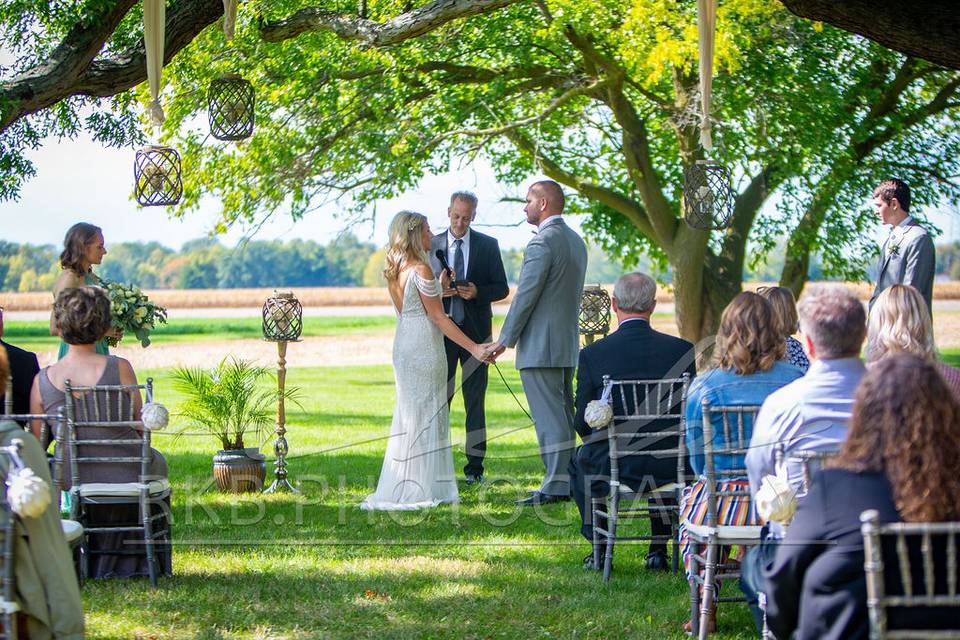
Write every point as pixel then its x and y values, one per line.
pixel 230 107
pixel 282 318
pixel 708 196
pixel 157 175
pixel 594 317
pixel 282 323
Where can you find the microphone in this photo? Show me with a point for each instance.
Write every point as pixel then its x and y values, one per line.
pixel 443 262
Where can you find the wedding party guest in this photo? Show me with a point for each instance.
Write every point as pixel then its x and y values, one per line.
pixel 900 322
pixel 83 316
pixel 785 310
pixel 907 255
pixel 23 367
pixel 83 247
pixel 810 414
pixel 480 278
pixel 542 324
pixel 749 367
pixel 901 458
pixel 46 584
pixel 633 352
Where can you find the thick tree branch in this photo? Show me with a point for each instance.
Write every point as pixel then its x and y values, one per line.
pixel 77 73
pixel 378 34
pixel 630 209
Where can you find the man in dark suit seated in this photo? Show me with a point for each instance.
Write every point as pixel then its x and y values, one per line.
pixel 633 352
pixel 23 368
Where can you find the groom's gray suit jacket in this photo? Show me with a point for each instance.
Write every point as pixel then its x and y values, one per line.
pixel 907 257
pixel 542 321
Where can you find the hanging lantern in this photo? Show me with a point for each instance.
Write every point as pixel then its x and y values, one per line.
pixel 708 196
pixel 230 108
pixel 594 312
pixel 282 318
pixel 156 171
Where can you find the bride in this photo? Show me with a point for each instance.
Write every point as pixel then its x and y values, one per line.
pixel 417 468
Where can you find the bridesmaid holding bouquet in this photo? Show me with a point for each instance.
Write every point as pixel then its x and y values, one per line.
pixel 83 247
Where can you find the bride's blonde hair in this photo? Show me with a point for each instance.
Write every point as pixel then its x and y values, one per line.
pixel 406 244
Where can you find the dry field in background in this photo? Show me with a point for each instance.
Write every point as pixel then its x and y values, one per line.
pixel 340 296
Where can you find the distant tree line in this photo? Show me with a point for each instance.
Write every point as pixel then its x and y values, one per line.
pixel 205 263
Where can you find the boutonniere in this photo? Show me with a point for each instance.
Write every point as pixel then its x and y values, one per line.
pixel 893 248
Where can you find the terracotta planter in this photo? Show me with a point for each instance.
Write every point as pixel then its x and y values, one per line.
pixel 239 471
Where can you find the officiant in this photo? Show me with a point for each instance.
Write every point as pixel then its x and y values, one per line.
pixel 478 279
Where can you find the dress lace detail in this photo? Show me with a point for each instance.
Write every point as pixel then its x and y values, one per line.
pixel 417 467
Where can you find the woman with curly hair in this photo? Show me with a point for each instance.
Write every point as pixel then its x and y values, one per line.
pixel 749 366
pixel 900 323
pixel 901 458
pixel 417 467
pixel 83 247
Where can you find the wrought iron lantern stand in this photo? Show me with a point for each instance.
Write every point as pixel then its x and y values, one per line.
pixel 282 323
pixel 594 318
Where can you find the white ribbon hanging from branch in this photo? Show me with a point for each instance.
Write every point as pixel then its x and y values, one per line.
pixel 229 18
pixel 154 26
pixel 706 26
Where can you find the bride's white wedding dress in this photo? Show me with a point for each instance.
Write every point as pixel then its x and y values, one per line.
pixel 417 468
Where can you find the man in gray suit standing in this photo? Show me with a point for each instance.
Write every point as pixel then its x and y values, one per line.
pixel 542 324
pixel 907 256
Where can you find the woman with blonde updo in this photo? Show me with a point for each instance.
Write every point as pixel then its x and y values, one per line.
pixel 417 468
pixel 900 323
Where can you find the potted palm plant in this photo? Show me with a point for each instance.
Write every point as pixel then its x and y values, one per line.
pixel 229 402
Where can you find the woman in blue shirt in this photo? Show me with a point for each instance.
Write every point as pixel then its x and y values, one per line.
pixel 749 366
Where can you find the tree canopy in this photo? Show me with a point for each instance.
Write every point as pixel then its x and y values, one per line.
pixel 358 103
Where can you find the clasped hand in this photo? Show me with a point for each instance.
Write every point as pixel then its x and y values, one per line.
pixel 490 351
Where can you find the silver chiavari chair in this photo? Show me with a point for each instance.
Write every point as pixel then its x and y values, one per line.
pixel 638 404
pixel 897 548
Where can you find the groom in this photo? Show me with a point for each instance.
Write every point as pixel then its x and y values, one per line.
pixel 542 323
pixel 476 262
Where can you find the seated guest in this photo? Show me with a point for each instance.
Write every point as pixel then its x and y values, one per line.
pixel 46 584
pixel 810 414
pixel 635 352
pixel 749 357
pixel 785 310
pixel 900 322
pixel 23 368
pixel 83 318
pixel 900 458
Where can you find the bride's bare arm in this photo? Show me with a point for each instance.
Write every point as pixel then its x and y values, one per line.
pixel 434 308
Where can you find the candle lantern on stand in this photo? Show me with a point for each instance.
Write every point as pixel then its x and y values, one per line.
pixel 594 316
pixel 282 323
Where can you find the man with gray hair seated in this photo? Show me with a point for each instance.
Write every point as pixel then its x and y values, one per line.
pixel 633 352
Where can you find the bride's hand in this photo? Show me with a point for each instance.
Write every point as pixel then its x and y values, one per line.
pixel 481 352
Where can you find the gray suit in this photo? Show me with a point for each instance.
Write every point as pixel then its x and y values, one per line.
pixel 542 324
pixel 907 257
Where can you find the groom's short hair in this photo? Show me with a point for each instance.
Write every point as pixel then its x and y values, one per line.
pixel 635 292
pixel 551 191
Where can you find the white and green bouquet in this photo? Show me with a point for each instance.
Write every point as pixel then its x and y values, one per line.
pixel 133 312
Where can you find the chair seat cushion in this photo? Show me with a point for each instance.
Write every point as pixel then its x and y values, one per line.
pixel 745 533
pixel 670 487
pixel 72 530
pixel 121 489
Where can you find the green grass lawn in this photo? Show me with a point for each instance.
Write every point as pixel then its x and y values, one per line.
pixel 315 566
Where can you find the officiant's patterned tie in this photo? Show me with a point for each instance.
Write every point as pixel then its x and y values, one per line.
pixel 457 312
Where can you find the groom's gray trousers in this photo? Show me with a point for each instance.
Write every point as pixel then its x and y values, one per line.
pixel 549 392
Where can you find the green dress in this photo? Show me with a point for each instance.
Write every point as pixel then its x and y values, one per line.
pixel 103 348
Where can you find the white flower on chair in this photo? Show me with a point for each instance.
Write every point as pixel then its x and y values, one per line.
pixel 598 414
pixel 155 416
pixel 27 493
pixel 776 500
